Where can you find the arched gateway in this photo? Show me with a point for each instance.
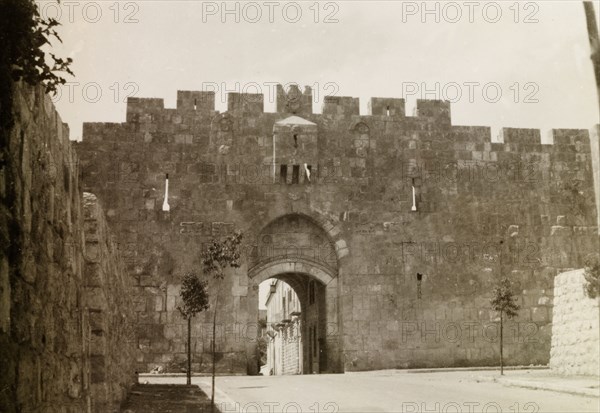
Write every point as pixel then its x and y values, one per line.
pixel 295 249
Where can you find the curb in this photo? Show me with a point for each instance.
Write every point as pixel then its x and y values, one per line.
pixel 222 399
pixel 578 391
pixel 452 369
pixel 536 385
pixel 185 375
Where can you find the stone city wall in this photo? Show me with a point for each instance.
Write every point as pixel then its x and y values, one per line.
pixel 417 218
pixel 62 349
pixel 575 327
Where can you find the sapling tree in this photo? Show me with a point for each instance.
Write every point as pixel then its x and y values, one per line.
pixel 194 298
pixel 592 275
pixel 216 258
pixel 503 301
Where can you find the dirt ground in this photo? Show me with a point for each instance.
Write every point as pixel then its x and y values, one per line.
pixel 166 398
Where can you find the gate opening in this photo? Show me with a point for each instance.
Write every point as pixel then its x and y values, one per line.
pixel 291 315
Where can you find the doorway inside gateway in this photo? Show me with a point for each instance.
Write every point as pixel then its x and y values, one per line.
pixel 292 340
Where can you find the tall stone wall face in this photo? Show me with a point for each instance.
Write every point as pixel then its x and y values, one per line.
pixel 110 313
pixel 413 283
pixel 595 148
pixel 45 352
pixel 575 327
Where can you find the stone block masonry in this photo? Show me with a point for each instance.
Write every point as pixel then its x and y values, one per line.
pixel 110 326
pixel 575 327
pixel 65 314
pixel 406 222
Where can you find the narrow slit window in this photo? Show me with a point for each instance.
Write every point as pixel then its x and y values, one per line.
pixel 296 174
pixel 387 111
pixel 283 174
pixel 195 103
pixel 295 141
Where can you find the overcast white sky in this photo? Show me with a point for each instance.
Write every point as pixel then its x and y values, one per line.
pixel 533 58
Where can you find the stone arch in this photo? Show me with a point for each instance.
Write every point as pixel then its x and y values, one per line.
pixel 296 265
pixel 360 127
pixel 331 229
pixel 320 317
pixel 295 238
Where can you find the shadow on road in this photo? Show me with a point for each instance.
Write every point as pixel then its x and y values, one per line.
pixel 164 398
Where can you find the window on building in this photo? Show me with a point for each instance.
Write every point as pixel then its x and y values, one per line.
pixel 283 308
pixel 283 174
pixel 296 174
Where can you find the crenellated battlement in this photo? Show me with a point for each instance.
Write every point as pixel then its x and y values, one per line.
pixel 140 108
pixel 247 103
pixel 392 107
pixel 341 106
pixel 294 101
pixel 521 136
pixel 195 101
pixel 437 110
pixel 576 137
pixel 149 115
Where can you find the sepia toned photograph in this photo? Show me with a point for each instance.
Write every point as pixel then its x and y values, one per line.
pixel 299 206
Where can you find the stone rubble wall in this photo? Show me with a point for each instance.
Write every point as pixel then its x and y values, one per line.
pixel 575 327
pixel 58 352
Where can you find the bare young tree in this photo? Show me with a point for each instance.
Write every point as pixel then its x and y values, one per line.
pixel 592 275
pixel 503 301
pixel 195 299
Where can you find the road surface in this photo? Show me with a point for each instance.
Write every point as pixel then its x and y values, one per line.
pixel 383 391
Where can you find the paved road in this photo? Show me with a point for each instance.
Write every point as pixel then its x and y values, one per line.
pixel 385 391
